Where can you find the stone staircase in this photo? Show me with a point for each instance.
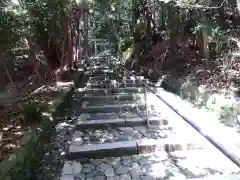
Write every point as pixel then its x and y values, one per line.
pixel 113 139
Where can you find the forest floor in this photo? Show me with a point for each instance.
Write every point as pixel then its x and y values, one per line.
pixel 219 74
pixel 11 127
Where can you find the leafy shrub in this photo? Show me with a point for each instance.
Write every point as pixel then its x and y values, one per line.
pixel 125 44
pixel 32 112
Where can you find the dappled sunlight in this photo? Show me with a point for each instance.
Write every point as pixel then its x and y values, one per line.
pixel 64 84
pixel 208 123
pixel 48 115
pixel 78 90
pixel 149 166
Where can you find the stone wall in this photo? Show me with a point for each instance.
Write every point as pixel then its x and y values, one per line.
pixel 21 164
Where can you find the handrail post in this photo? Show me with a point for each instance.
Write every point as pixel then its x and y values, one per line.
pixel 146 107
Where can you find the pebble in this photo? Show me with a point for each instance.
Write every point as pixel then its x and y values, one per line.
pixel 127 162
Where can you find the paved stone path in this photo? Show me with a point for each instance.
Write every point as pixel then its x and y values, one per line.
pixel 106 136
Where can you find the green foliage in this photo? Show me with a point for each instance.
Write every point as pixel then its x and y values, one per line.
pixel 37 19
pixel 9 31
pixel 213 30
pixel 32 112
pixel 112 20
pixel 125 44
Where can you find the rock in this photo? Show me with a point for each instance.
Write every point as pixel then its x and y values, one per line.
pixel 144 161
pixel 67 168
pixel 147 177
pixel 100 178
pixel 109 172
pixel 113 178
pixel 97 162
pixel 87 168
pixel 136 158
pixel 127 162
pixel 123 170
pixel 107 169
pixel 124 177
pixel 135 173
pixel 126 157
pixel 76 167
pixel 115 161
pixel 90 175
pixel 77 141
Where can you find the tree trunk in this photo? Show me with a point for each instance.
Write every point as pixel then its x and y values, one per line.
pixel 163 23
pixel 203 39
pixel 8 74
pixel 85 22
pixel 173 28
pixel 134 16
pixel 33 60
pixel 70 43
pixel 77 21
pixel 50 49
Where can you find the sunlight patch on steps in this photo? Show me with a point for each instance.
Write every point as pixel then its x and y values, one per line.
pixel 207 121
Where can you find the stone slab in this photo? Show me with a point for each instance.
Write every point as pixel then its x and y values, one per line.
pixel 101 123
pixel 120 97
pixel 109 91
pixel 103 150
pixel 112 108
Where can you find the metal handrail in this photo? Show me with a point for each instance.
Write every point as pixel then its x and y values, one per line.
pixel 223 150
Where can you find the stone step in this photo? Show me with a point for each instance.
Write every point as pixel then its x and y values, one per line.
pixel 121 122
pixel 117 108
pixel 124 97
pixel 109 91
pixel 121 147
pixel 118 85
pixel 114 81
pixel 102 73
pixel 112 115
pixel 150 166
pixel 138 100
pixel 104 141
pixel 102 77
pixel 135 167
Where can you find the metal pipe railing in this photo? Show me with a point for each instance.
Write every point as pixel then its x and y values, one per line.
pixel 221 148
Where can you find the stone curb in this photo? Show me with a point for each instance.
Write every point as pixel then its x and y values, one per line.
pixel 20 164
